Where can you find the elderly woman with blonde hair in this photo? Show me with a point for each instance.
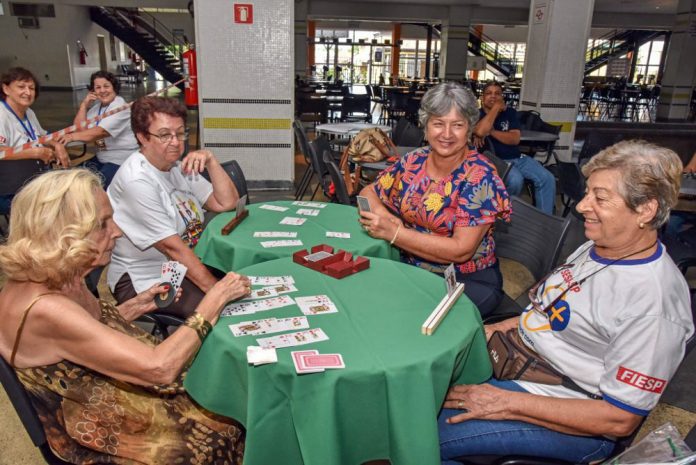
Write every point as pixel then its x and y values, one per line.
pixel 612 323
pixel 105 391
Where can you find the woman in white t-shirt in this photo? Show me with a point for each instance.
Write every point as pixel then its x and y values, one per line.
pixel 159 204
pixel 18 124
pixel 112 136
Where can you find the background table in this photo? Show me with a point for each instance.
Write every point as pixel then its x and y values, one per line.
pixel 240 248
pixel 348 129
pixel 385 402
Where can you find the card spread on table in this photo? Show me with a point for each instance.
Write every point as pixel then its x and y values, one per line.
pixel 302 203
pixel 274 208
pixel 271 280
pixel 292 220
pixel 290 234
pixel 253 306
pixel 308 212
pixel 173 273
pixel 339 235
pixel 269 326
pixel 298 338
pixel 271 291
pixel 316 305
pixel 300 368
pixel 283 243
pixel 260 356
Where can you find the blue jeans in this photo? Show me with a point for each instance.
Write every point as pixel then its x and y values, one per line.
pixel 106 171
pixel 506 437
pixel 544 183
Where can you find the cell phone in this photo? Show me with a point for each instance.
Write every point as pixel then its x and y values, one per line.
pixel 363 204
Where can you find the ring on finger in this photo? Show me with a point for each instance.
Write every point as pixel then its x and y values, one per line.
pixel 460 404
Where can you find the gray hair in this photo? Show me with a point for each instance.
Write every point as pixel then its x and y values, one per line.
pixel 647 171
pixel 439 100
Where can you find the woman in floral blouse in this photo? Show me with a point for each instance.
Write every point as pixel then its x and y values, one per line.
pixel 438 204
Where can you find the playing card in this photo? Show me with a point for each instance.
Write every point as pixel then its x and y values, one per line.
pixel 317 361
pixel 252 328
pixel 293 221
pixel 285 243
pixel 316 305
pixel 300 368
pixel 271 280
pixel 291 323
pixel 302 203
pixel 262 293
pixel 241 205
pixel 173 272
pixel 238 308
pixel 260 356
pixel 308 212
pixel 316 256
pixel 298 338
pixel 284 288
pixel 339 235
pixel 275 234
pixel 363 203
pixel 274 208
pixel 450 279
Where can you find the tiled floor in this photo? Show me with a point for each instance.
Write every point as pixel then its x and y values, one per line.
pixel 56 110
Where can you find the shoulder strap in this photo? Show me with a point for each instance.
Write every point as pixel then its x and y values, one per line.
pixel 21 325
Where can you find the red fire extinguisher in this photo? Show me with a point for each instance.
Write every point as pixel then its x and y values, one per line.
pixel 191 86
pixel 82 53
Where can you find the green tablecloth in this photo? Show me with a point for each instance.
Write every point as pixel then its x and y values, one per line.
pixel 382 405
pixel 240 248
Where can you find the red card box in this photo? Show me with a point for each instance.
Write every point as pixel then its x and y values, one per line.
pixel 339 265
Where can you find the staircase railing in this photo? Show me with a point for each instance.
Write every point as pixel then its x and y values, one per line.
pixel 493 51
pixel 161 32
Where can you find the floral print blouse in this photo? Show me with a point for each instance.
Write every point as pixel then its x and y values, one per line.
pixel 472 195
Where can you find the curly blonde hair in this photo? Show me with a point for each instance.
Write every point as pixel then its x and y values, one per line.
pixel 51 220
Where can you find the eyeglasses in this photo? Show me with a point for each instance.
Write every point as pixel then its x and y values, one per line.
pixel 535 299
pixel 167 138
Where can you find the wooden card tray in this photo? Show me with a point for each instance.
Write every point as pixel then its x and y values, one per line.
pixel 338 265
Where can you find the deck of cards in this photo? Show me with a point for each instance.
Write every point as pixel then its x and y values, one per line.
pixel 268 326
pixel 253 306
pixel 173 275
pixel 311 361
pixel 260 356
pixel 281 243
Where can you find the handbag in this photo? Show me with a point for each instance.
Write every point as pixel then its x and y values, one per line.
pixel 513 360
pixel 368 146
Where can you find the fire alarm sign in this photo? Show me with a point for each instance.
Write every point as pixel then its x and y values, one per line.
pixel 243 13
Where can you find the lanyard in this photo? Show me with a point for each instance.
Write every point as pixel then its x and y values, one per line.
pixel 99 111
pixel 28 130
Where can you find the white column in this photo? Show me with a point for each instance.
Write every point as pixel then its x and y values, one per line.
pixel 246 79
pixel 455 44
pixel 554 64
pixel 301 68
pixel 679 78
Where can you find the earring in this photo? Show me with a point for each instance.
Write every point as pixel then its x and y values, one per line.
pixel 641 225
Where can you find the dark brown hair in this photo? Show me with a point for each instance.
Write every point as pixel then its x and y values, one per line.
pixel 17 74
pixel 490 84
pixel 144 109
pixel 104 75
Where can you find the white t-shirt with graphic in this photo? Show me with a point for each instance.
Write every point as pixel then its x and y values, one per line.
pixel 151 205
pixel 621 334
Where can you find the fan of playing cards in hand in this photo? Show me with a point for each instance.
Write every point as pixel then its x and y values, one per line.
pixel 172 275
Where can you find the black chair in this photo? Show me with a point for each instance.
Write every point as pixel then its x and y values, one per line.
pixel 340 189
pixel 531 120
pixel 595 142
pixel 356 108
pixel 313 109
pixel 303 144
pixel 161 323
pixel 27 413
pixel 411 136
pixel 533 239
pixel 571 186
pixel 316 150
pixel 502 166
pixel 398 131
pixel 234 171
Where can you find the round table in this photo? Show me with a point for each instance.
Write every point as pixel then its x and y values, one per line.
pixel 348 129
pixel 384 403
pixel 240 248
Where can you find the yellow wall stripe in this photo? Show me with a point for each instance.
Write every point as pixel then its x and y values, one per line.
pixel 566 126
pixel 246 123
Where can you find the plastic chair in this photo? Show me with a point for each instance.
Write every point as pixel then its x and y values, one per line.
pixel 316 151
pixel 356 108
pixel 533 239
pixel 161 322
pixel 303 144
pixel 501 165
pixel 412 136
pixel 27 413
pixel 16 173
pixel 234 171
pixel 571 185
pixel 340 189
pixel 398 130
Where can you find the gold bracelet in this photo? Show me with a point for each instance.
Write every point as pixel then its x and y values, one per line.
pixel 199 324
pixel 395 234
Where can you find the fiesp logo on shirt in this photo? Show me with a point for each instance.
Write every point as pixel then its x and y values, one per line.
pixel 641 381
pixel 3 140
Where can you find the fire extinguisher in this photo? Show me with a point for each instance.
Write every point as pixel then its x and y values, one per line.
pixel 82 53
pixel 191 86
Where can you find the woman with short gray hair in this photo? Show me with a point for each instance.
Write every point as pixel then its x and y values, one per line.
pixel 438 203
pixel 609 327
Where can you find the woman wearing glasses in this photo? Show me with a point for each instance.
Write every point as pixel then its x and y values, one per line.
pixel 613 321
pixel 159 204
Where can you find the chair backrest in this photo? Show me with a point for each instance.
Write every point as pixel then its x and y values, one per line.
pixel 161 322
pixel 25 410
pixel 316 150
pixel 412 136
pixel 237 175
pixel 301 137
pixel 532 238
pixel 340 189
pixel 15 173
pixel 571 182
pixel 398 130
pixel 502 166
pixel 595 142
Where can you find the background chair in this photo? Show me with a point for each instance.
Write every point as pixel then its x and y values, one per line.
pixel 27 413
pixel 234 171
pixel 316 150
pixel 303 144
pixel 533 239
pixel 571 186
pixel 356 108
pixel 340 189
pixel 502 166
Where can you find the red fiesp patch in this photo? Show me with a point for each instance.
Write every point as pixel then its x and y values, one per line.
pixel 641 381
pixel 3 141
